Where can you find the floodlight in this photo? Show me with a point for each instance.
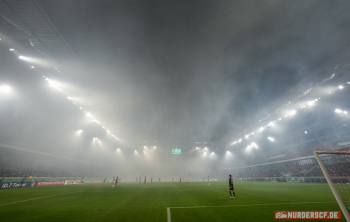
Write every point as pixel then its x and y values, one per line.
pixel 88 114
pixel 340 87
pixel 79 131
pixel 337 111
pixel 21 57
pixel 5 88
pixel 254 145
pixel 271 139
pixel 305 132
pixel 32 67
pixel 12 49
pixel 311 102
pixel 345 112
pixel 52 83
pixel 292 112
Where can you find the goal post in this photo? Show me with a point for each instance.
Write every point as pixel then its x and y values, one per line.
pixel 336 170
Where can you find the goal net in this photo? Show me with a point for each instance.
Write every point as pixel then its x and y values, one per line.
pixel 335 166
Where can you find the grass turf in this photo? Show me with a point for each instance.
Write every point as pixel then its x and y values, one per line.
pixel 139 202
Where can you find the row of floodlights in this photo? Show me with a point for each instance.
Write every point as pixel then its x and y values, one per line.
pixel 310 103
pixel 51 83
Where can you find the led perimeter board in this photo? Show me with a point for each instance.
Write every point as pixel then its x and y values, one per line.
pixel 176 151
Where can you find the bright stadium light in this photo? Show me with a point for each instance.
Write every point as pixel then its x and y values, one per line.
pixel 292 112
pixel 88 114
pixel 246 136
pixel 239 140
pixel 212 153
pixel 144 151
pixel 79 131
pixel 345 112
pixel 254 145
pixel 144 147
pixel 135 151
pixel 12 49
pixel 338 111
pixel 261 128
pixel 118 149
pixel 310 103
pixel 271 139
pixel 197 148
pixel 5 89
pixel 32 67
pixel 21 57
pixel 52 83
pixel 340 87
pixel 70 98
pixel 206 148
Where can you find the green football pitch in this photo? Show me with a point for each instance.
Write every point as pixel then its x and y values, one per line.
pixel 255 201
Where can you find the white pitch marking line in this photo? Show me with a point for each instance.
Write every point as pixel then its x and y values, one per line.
pixel 37 198
pixel 168 213
pixel 250 205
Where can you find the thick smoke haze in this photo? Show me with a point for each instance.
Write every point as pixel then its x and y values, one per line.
pixel 165 74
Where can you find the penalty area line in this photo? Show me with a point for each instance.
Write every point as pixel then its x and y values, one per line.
pixel 37 198
pixel 168 214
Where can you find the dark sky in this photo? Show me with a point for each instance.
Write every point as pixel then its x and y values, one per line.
pixel 195 70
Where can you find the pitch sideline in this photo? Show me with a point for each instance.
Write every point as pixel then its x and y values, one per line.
pixel 246 205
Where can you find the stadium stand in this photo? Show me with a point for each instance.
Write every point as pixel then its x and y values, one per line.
pixel 296 164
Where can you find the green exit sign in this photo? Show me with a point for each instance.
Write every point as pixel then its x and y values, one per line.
pixel 176 151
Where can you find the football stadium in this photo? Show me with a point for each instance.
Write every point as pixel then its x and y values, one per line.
pixel 174 110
